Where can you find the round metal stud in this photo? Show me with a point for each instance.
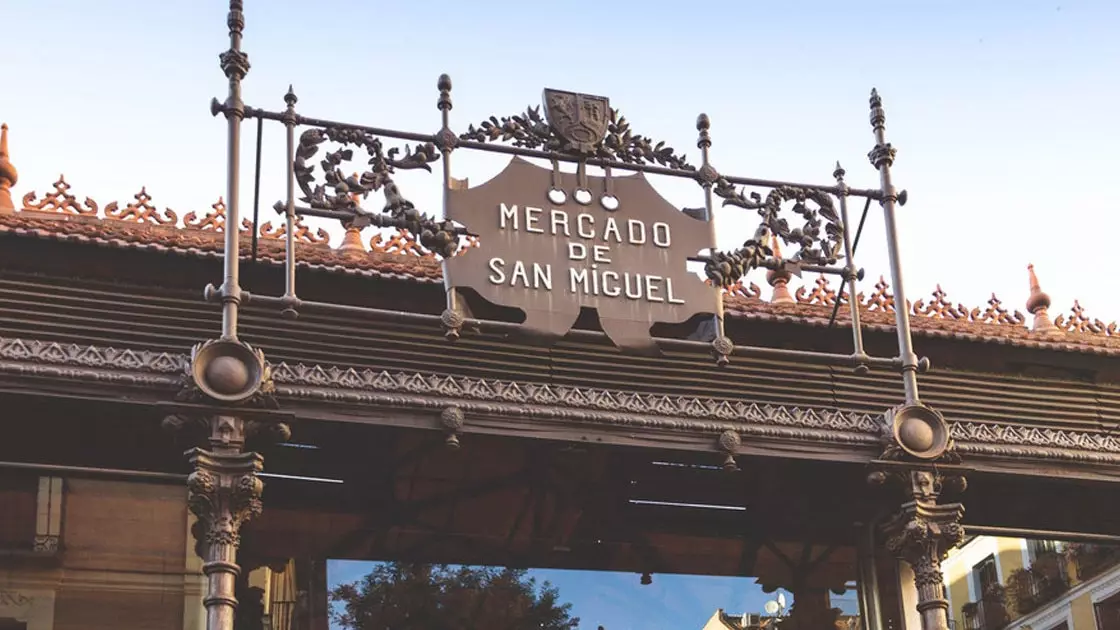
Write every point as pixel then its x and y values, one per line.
pixel 609 202
pixel 920 431
pixel 557 196
pixel 227 371
pixel 582 196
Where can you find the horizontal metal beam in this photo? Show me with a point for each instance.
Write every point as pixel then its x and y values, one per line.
pixel 253 112
pixel 820 358
pixel 96 471
pixel 1041 534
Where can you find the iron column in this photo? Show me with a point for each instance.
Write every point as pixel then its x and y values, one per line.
pixel 882 157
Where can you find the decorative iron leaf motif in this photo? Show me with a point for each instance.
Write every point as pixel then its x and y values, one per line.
pixel 339 192
pixel 816 242
pixel 529 130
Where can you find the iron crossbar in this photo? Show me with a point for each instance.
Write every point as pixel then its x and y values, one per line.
pixel 254 112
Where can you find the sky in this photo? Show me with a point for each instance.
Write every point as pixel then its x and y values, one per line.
pixel 1003 112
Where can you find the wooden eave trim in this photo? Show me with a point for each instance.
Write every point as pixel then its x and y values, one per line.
pixel 566 412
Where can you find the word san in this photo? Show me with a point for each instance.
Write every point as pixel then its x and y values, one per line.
pixel 592 244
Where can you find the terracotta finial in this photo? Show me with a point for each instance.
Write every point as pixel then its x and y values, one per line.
pixel 352 244
pixel 1037 305
pixel 8 174
pixel 778 278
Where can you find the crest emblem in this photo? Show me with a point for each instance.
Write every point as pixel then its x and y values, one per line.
pixel 580 120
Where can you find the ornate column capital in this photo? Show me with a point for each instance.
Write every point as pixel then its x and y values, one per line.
pixel 225 404
pixel 224 492
pixel 919 457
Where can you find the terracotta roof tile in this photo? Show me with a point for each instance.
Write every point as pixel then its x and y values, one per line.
pixel 140 225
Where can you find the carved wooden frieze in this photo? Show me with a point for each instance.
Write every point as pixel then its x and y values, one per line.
pixel 330 385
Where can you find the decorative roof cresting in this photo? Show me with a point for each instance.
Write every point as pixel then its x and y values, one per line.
pixel 400 254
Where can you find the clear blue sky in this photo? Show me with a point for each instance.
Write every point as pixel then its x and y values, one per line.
pixel 1004 113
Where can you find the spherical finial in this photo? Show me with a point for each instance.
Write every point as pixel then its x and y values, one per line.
pixel 916 434
pixel 920 431
pixel 228 375
pixel 703 123
pixel 444 83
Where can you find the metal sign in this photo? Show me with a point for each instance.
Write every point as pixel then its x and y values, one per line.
pixel 550 244
pixel 554 243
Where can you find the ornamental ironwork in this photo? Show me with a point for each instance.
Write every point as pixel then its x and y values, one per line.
pixel 552 242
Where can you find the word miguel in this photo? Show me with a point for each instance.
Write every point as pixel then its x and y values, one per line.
pixel 590 278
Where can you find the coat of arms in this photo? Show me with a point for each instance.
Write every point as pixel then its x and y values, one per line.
pixel 580 120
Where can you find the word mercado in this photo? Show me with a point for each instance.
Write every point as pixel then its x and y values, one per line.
pixel 547 250
pixel 590 273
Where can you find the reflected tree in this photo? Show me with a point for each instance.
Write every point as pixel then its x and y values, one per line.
pixel 403 596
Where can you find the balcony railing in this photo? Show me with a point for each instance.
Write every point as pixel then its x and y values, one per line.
pixel 1031 588
pixel 985 615
pixel 1093 560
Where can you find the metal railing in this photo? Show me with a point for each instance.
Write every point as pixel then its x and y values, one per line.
pixel 985 615
pixel 1045 580
pixel 1092 560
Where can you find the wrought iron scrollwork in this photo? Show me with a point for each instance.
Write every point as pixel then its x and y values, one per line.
pixel 530 130
pixel 339 192
pixel 816 242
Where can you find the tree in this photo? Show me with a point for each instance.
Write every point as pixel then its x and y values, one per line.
pixel 402 596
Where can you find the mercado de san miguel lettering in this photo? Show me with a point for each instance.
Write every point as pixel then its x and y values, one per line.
pixel 558 368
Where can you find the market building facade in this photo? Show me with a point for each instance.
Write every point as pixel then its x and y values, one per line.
pixel 532 378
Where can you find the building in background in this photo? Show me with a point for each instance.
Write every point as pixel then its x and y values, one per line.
pixel 996 583
pixel 732 455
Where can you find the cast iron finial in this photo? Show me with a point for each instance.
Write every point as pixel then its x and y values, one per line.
pixel 839 172
pixel 704 125
pixel 290 97
pixel 8 174
pixel 1038 304
pixel 444 87
pixel 878 116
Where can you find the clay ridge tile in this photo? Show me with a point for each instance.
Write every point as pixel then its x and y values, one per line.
pixel 59 215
